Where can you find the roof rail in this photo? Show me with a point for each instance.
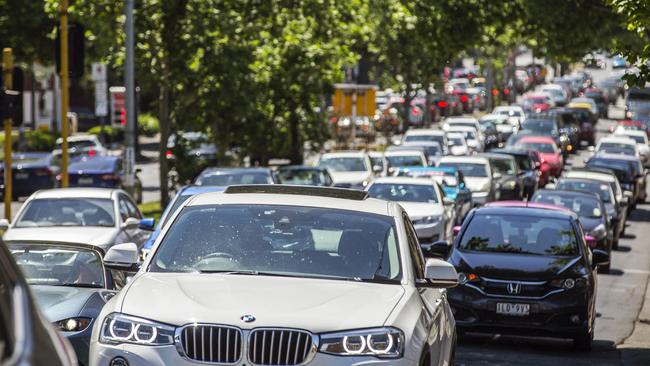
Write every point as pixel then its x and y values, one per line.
pixel 342 193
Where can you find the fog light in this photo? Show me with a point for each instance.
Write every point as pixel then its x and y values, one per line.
pixel 575 319
pixel 569 283
pixel 462 278
pixel 119 361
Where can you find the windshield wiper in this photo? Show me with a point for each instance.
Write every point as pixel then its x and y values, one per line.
pixel 84 285
pixel 243 272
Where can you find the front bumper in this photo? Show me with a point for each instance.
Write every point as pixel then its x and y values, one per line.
pixel 429 233
pixel 550 316
pixel 136 355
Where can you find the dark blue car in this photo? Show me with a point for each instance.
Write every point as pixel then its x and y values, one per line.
pixel 30 173
pixel 101 171
pixel 183 194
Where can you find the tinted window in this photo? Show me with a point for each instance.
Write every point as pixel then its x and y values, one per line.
pixel 404 192
pixel 227 178
pixel 601 189
pixel 520 235
pixel 281 240
pixel 468 169
pixel 413 160
pixel 93 164
pixel 301 177
pixel 539 126
pixel 538 146
pixel 67 212
pixel 349 164
pixel 583 206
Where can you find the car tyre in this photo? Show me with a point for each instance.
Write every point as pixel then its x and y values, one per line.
pixel 583 342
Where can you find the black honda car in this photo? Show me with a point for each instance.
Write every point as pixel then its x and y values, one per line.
pixel 526 269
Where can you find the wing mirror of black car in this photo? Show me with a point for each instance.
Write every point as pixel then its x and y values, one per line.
pixel 439 249
pixel 599 257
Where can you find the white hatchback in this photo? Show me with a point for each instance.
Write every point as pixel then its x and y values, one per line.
pixel 281 275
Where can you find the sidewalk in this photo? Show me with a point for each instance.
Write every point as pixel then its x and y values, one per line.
pixel 635 350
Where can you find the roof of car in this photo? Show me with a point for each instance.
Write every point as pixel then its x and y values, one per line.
pixel 536 139
pixel 341 154
pixel 302 167
pixel 105 193
pixel 615 157
pixel 564 192
pixel 582 180
pixel 511 151
pixel 461 129
pixel 584 174
pixel 464 159
pixel 618 139
pixel 493 155
pixel 403 180
pixel 404 152
pixel 490 116
pixel 630 133
pixel 421 143
pixel 86 137
pixel 218 170
pixel 459 120
pixel 370 205
pixel 522 208
pixel 424 132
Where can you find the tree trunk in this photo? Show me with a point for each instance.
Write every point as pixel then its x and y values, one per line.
pixel 295 148
pixel 163 117
pixel 489 85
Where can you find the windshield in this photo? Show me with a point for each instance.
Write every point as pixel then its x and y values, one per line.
pixel 583 206
pixel 404 160
pixel 539 126
pixel 282 240
pixel 617 147
pixel 468 169
pixel 538 146
pixel 622 169
pixel 637 139
pixel 351 164
pixel 601 189
pixel 67 212
pixel 503 166
pixel 519 234
pixel 403 192
pixel 49 264
pixel 310 177
pixel 227 178
pixel 77 145
pixel 423 138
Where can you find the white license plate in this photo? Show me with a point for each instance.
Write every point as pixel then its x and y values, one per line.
pixel 85 181
pixel 508 308
pixel 22 175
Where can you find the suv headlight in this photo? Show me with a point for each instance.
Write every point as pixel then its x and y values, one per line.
pixel 120 328
pixel 599 231
pixel 379 342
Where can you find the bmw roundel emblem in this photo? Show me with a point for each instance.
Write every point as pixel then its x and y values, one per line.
pixel 247 318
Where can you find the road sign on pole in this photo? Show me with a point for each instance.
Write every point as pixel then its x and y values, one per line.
pixel 7 68
pixel 101 98
pixel 64 71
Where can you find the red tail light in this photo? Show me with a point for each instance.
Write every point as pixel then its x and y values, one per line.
pixel 506 91
pixel 168 154
pixel 463 98
pixel 92 153
pixel 442 104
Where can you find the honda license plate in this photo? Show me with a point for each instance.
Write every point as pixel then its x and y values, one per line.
pixel 85 181
pixel 507 308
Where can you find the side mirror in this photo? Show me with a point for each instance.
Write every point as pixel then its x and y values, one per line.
pixel 549 186
pixel 599 257
pixel 439 249
pixel 131 223
pixel 628 195
pixel 122 256
pixel 591 241
pixel 377 169
pixel 440 274
pixel 148 223
pixel 496 175
pixel 456 230
pixel 448 201
pixel 4 224
pixel 591 148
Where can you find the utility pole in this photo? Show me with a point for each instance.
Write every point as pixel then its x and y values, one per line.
pixel 129 133
pixel 7 68
pixel 64 72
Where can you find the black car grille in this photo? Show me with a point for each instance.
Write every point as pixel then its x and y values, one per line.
pixel 526 289
pixel 212 343
pixel 279 346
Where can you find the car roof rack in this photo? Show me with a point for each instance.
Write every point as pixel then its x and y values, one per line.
pixel 342 193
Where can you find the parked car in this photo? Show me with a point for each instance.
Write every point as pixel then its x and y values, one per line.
pixel 102 172
pixel 69 283
pixel 432 214
pixel 351 169
pixel 533 264
pixel 102 217
pixel 30 172
pixel 453 186
pixel 591 211
pixel 304 175
pixel 26 336
pixel 478 176
pixel 277 255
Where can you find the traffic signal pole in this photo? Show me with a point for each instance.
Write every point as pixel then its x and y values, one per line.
pixel 7 68
pixel 64 74
pixel 129 131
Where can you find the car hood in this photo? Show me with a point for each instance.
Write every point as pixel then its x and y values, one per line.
pixel 589 223
pixel 313 304
pixel 350 177
pixel 477 184
pixel 99 236
pixel 61 302
pixel 417 210
pixel 514 266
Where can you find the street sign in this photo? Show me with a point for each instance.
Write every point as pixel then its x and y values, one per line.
pixel 118 105
pixel 98 72
pixel 362 97
pixel 101 98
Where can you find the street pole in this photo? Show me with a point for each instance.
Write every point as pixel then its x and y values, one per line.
pixel 129 135
pixel 7 68
pixel 64 92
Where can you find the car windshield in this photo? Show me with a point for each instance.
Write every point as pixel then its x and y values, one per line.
pixel 601 189
pixel 519 234
pixel 78 145
pixel 583 206
pixel 230 178
pixel 309 177
pixel 538 146
pixel 622 169
pixel 404 160
pixel 637 139
pixel 456 141
pixel 468 169
pixel 93 164
pixel 539 126
pixel 53 265
pixel 281 240
pixel 340 164
pixel 404 192
pixel 422 138
pixel 503 166
pixel 67 212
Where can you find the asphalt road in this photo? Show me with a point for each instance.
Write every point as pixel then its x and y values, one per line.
pixel 619 300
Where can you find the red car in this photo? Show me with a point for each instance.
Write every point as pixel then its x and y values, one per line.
pixel 538 103
pixel 549 154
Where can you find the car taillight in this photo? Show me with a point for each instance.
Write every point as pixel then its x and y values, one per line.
pixel 168 154
pixel 442 104
pixel 463 98
pixel 92 153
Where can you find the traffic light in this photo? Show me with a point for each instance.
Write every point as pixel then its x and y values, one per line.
pixel 10 106
pixel 76 42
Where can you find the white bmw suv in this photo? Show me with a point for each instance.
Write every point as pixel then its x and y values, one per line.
pixel 281 275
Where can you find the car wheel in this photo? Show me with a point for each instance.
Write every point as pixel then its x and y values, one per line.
pixel 583 341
